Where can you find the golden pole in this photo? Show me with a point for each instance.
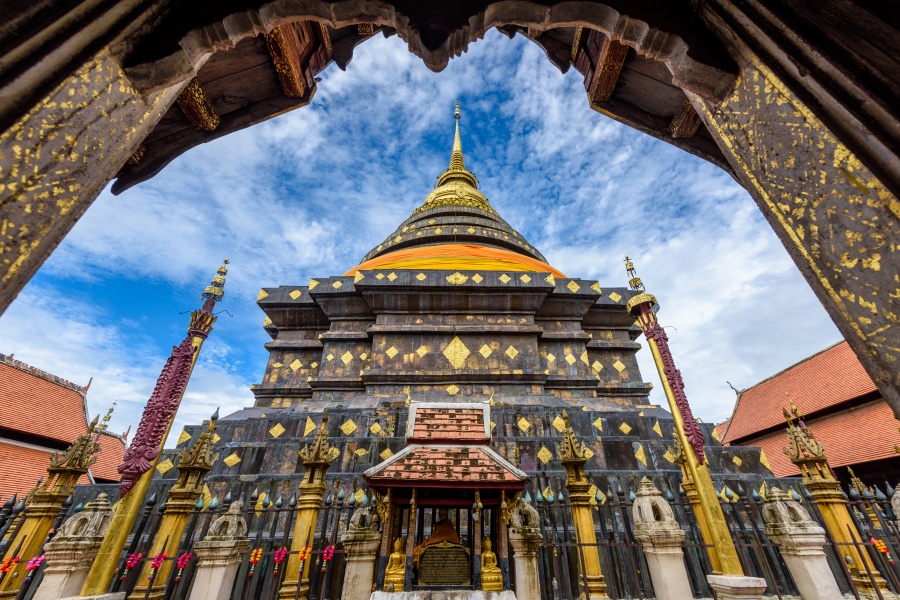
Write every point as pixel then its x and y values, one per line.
pixel 572 456
pixel 722 553
pixel 170 383
pixel 316 459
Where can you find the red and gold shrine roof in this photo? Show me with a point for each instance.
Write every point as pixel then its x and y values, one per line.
pixel 449 446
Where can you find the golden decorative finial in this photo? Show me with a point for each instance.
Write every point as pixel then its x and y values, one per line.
pixel 457 113
pixel 635 282
pixel 214 291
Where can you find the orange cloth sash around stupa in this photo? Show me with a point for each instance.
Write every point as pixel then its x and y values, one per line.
pixel 456 257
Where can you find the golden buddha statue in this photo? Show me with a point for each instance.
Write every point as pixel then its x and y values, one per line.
pixel 396 568
pixel 491 577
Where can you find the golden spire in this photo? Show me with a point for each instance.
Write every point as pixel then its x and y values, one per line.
pixel 457 170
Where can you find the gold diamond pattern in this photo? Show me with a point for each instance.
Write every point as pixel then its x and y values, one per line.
pixel 598 423
pixel 619 366
pixel 584 357
pixel 438 230
pixel 363 356
pixel 329 357
pixel 572 286
pixel 232 459
pixel 452 389
pixel 512 352
pixel 550 357
pixel 763 460
pixel 164 467
pixel 596 287
pixel 421 276
pixel 669 456
pixel 207 497
pixel 361 452
pixel 457 278
pixel 392 352
pixel 375 428
pixel 263 294
pixel 296 365
pixel 525 279
pixel 358 277
pixel 477 278
pixel 277 430
pixel 505 278
pixel 485 351
pixel 641 455
pixel 392 276
pixel 216 438
pixel 597 366
pixel 625 428
pixel 185 436
pixel 523 424
pixel 558 424
pixel 657 428
pixel 312 284
pixel 348 427
pixel 295 294
pixel 337 284
pixel 385 454
pixel 267 322
pixel 456 352
pixel 380 276
pixel 737 461
pixel 615 297
pixel 333 454
pixel 422 351
pixel 277 365
pixel 544 455
pixel 346 357
pixel 570 359
pixel 550 279
pixel 309 428
pixel 471 230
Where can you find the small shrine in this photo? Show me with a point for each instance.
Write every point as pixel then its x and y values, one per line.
pixel 450 498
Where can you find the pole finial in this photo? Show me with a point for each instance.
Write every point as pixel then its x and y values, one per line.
pixel 457 114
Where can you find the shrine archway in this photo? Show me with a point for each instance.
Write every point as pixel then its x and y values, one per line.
pixel 780 95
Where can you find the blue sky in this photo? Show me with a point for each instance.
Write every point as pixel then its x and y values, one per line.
pixel 309 193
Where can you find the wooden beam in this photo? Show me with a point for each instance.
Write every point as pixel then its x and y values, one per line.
pixel 286 50
pixel 197 107
pixel 685 122
pixel 607 56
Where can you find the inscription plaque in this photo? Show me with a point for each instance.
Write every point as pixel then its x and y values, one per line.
pixel 445 563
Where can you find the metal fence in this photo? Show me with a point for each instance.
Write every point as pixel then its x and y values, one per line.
pixel 562 573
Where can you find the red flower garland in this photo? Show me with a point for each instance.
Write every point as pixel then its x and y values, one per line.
pixel 280 555
pixel 183 560
pixel 327 554
pixel 132 561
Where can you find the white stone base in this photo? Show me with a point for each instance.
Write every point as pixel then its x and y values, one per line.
pixel 732 587
pixel 444 595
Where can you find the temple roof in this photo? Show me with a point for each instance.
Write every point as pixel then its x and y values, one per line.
pixel 456 228
pixel 40 413
pixel 820 382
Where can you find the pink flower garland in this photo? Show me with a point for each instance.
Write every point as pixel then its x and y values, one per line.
pixel 33 565
pixel 327 554
pixel 132 561
pixel 183 560
pixel 156 564
pixel 280 555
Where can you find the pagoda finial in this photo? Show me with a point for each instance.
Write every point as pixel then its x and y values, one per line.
pixel 215 290
pixel 635 282
pixel 457 170
pixel 456 158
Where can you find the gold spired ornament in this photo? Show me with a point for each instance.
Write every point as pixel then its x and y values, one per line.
pixel 456 352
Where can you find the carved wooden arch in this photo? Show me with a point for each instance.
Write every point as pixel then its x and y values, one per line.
pixel 197 45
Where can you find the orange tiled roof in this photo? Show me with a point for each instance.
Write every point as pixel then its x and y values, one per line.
pixel 836 432
pixel 443 464
pixel 448 424
pixel 22 466
pixel 32 403
pixel 112 450
pixel 819 382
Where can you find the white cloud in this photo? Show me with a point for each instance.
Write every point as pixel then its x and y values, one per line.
pixel 310 192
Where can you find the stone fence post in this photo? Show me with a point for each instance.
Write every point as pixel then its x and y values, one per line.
pixel 661 536
pixel 72 550
pixel 361 542
pixel 524 539
pixel 219 554
pixel 800 540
